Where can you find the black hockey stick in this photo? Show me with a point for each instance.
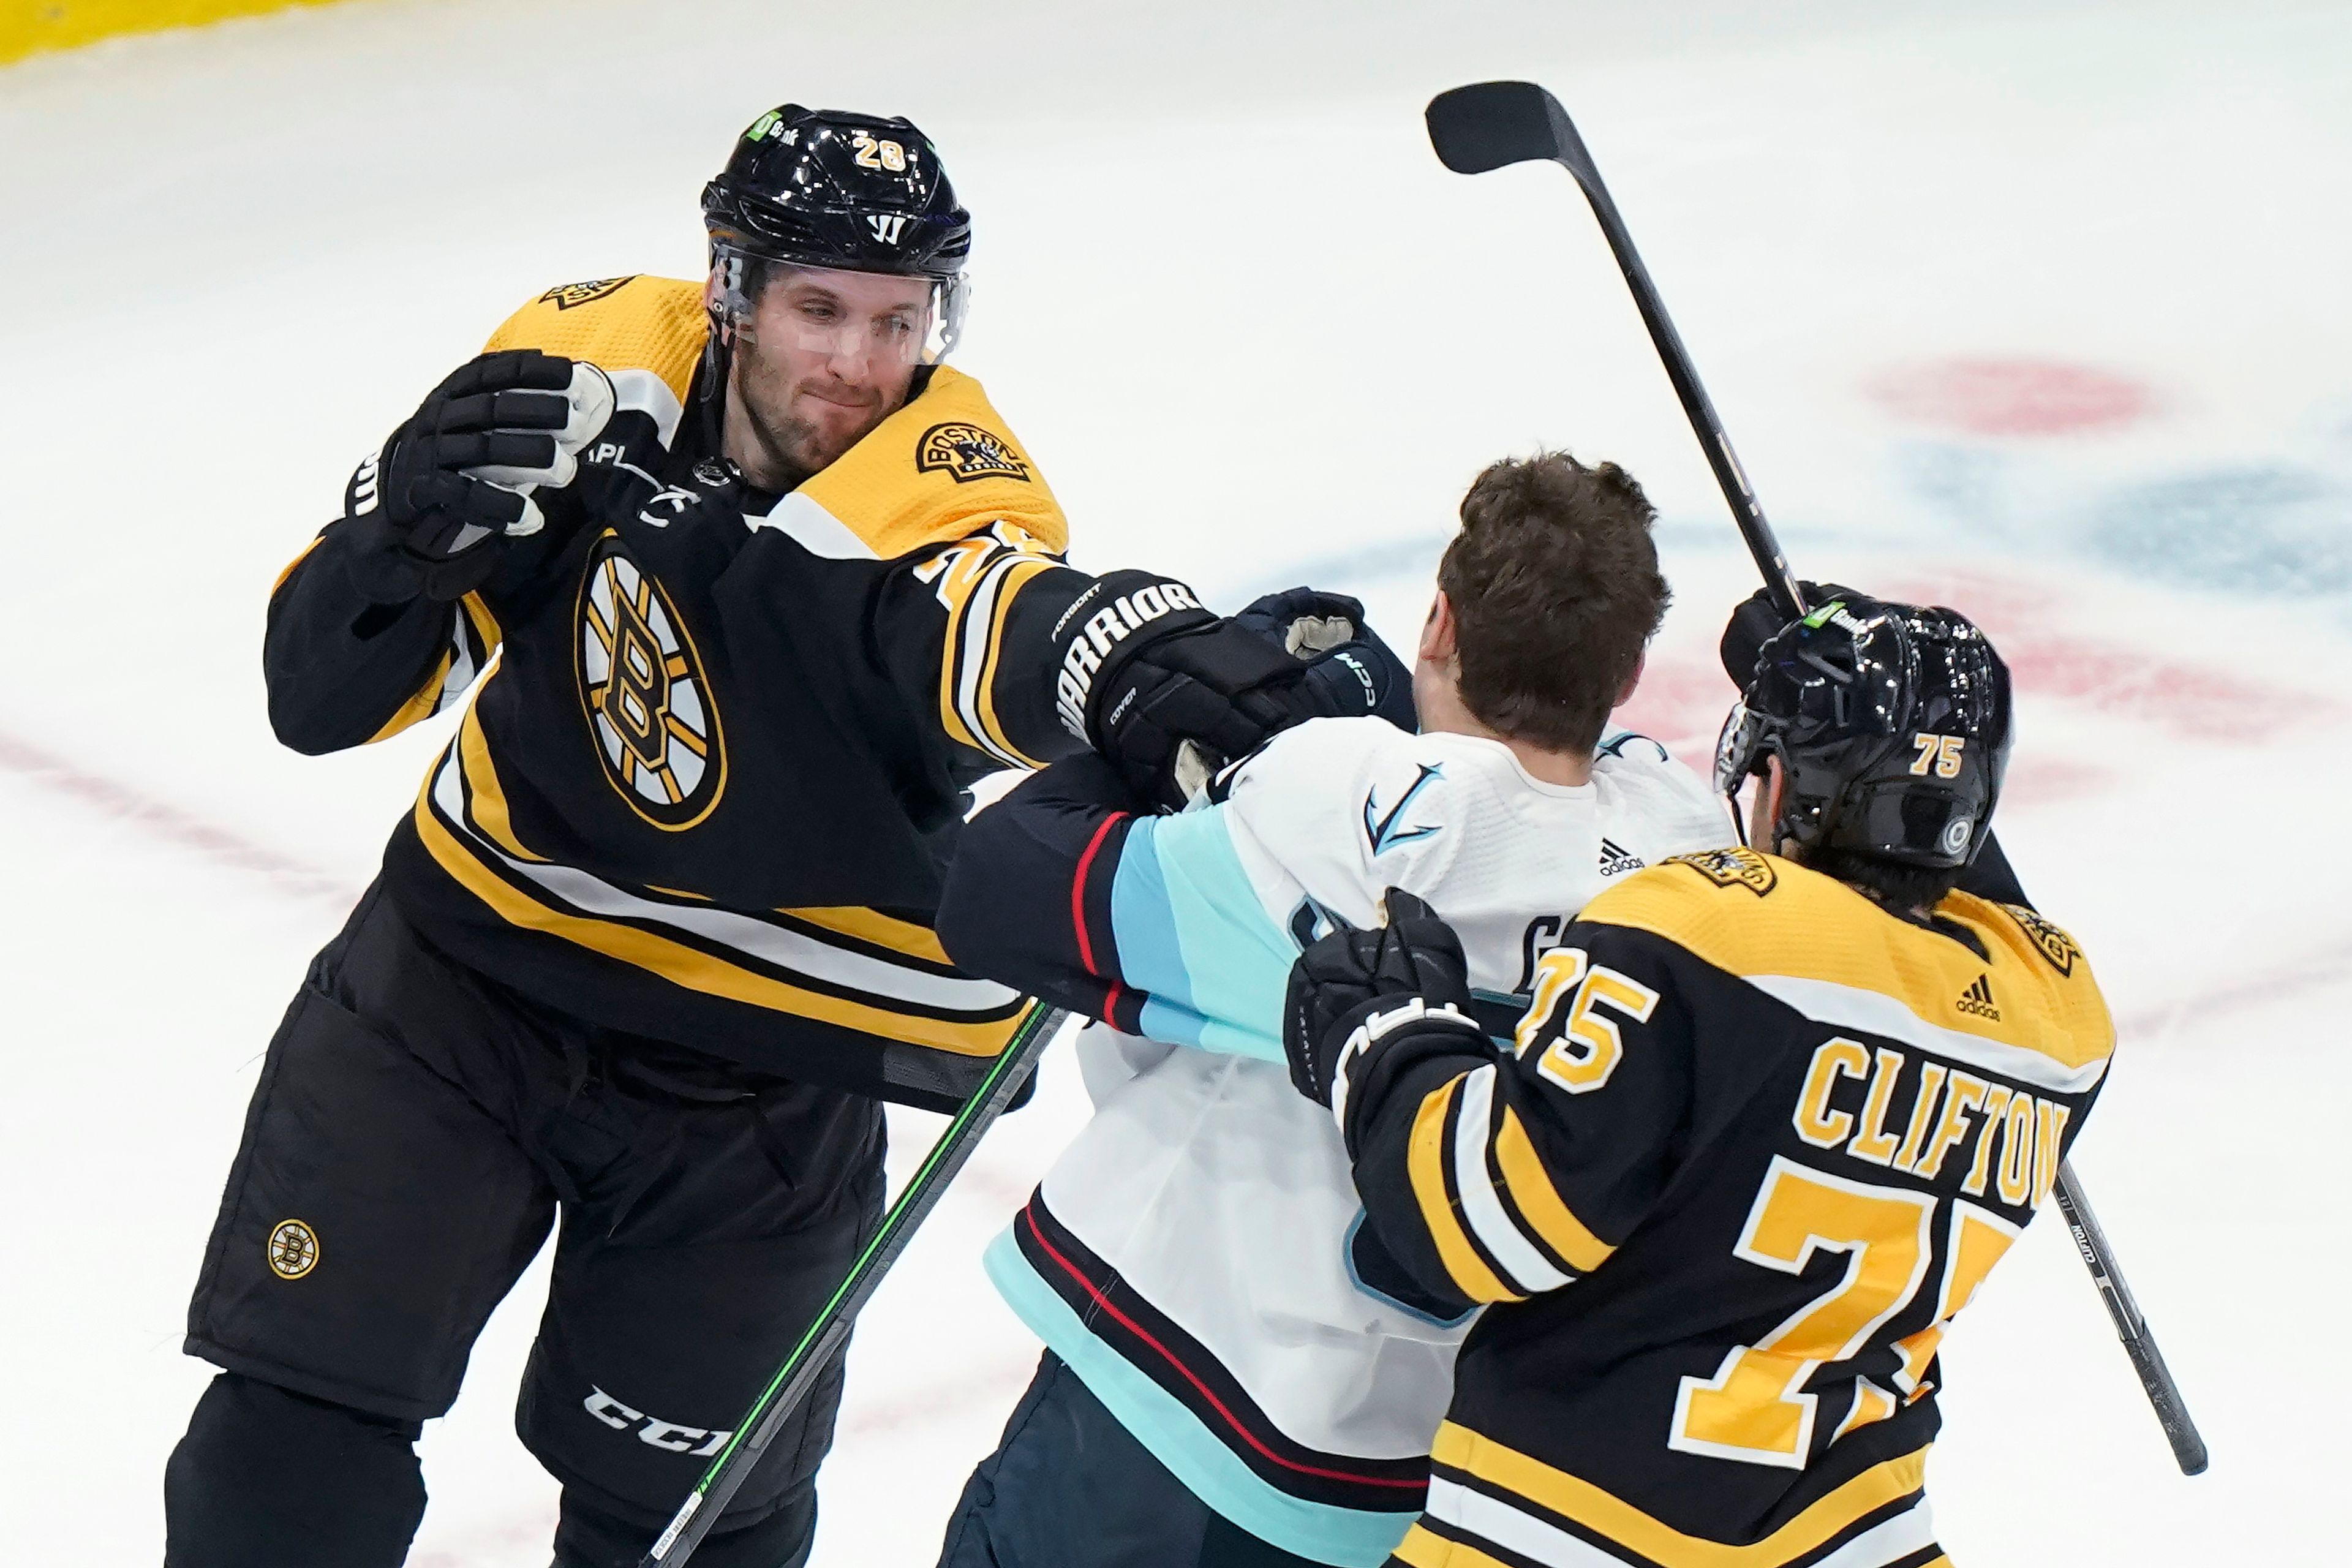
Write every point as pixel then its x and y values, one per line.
pixel 2188 1448
pixel 830 1328
pixel 1493 124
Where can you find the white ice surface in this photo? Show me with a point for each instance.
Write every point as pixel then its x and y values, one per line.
pixel 1256 334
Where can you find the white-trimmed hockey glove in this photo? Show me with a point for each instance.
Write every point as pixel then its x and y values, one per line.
pixel 436 499
pixel 1354 989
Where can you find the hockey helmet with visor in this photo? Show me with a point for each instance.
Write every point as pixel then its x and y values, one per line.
pixel 816 193
pixel 1892 724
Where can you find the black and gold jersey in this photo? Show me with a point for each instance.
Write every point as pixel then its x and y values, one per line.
pixel 1756 1140
pixel 702 789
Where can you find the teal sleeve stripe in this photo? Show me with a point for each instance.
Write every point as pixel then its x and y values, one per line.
pixel 1342 1537
pixel 1192 934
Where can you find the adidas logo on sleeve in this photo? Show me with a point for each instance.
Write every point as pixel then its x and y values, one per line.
pixel 1978 999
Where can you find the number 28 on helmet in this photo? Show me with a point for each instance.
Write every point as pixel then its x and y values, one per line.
pixel 828 191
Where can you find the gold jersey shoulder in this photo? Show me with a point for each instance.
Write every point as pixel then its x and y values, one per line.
pixel 1776 924
pixel 637 323
pixel 943 468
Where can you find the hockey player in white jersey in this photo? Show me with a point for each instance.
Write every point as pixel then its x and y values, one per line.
pixel 1236 1372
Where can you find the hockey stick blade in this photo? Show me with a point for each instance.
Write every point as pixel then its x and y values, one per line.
pixel 1493 124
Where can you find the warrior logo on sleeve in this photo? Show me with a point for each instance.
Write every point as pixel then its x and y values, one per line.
pixel 646 696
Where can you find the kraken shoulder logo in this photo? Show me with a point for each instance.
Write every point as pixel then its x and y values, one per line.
pixel 2053 944
pixel 646 699
pixel 565 296
pixel 966 452
pixel 1732 869
pixel 293 1249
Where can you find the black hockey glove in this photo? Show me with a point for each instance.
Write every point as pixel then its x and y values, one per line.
pixel 435 504
pixel 1350 670
pixel 1143 670
pixel 1354 988
pixel 1755 620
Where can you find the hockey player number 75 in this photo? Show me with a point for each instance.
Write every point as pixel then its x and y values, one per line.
pixel 1756 1409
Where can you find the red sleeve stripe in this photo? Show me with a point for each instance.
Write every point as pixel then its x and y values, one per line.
pixel 1079 896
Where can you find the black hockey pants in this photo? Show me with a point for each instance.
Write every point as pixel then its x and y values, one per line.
pixel 415 1133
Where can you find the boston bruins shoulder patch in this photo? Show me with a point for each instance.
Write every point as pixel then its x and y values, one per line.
pixel 563 297
pixel 966 452
pixel 647 700
pixel 1732 869
pixel 2049 940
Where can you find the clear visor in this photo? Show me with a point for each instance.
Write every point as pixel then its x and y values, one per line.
pixel 875 318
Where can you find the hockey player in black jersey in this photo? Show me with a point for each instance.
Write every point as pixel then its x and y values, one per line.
pixel 1769 1121
pixel 748 584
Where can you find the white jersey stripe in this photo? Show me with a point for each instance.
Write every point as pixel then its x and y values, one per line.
pixel 1474 1134
pixel 649 394
pixel 817 531
pixel 1493 1519
pixel 978 626
pixel 1877 1012
pixel 792 951
pixel 462 668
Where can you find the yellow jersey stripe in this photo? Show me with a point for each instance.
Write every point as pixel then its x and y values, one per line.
pixel 424 702
pixel 968 563
pixel 883 931
pixel 486 625
pixel 1612 1519
pixel 1538 1201
pixel 1016 577
pixel 298 561
pixel 1425 1549
pixel 1425 1168
pixel 690 967
pixel 482 778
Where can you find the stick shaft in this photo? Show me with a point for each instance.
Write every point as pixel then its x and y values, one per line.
pixel 829 1331
pixel 1566 149
pixel 2140 1345
pixel 1746 511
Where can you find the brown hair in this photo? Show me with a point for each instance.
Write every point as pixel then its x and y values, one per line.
pixel 1556 591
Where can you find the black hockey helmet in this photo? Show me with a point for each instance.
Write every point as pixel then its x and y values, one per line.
pixel 1892 724
pixel 851 192
pixel 860 193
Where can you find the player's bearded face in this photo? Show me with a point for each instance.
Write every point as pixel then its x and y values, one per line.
pixel 825 358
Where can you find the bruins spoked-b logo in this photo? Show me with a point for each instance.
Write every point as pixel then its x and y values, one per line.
pixel 646 699
pixel 293 1249
pixel 564 296
pixel 966 452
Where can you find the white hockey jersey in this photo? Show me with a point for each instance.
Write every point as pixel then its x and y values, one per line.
pixel 1196 1256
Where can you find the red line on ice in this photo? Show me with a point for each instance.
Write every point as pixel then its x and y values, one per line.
pixel 180 829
